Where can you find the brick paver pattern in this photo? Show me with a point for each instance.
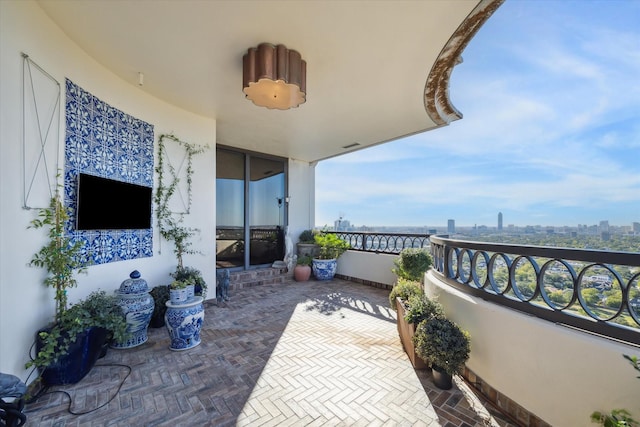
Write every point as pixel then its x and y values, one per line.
pixel 298 354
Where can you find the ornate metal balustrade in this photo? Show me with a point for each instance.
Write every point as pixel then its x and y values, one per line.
pixel 389 243
pixel 596 291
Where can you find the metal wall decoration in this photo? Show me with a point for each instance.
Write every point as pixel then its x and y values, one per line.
pixel 40 134
pixel 104 141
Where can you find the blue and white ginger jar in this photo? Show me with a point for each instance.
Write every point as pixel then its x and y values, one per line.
pixel 137 305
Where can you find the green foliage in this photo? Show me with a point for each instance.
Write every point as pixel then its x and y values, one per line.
pixel 591 296
pixel 59 257
pixel 179 284
pixel 307 236
pixel 404 289
pixel 191 276
pixel 421 307
pixel 169 223
pixel 97 310
pixel 160 296
pixel 304 260
pixel 617 418
pixel 442 343
pixel 412 263
pixel 634 361
pixel 331 246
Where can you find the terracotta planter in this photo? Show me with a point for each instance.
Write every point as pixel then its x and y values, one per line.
pixel 301 273
pixel 407 331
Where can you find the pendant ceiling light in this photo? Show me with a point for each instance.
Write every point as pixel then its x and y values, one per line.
pixel 274 76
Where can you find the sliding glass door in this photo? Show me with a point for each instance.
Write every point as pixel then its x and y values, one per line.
pixel 250 207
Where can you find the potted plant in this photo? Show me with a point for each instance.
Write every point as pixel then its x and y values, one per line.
pixel 442 343
pixel 63 347
pixel 160 296
pixel 178 293
pixel 330 247
pixel 413 263
pixel 306 244
pixel 302 270
pixel 193 276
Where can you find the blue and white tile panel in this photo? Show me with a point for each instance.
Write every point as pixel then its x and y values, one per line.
pixel 103 141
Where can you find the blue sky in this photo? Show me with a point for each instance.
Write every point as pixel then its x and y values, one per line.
pixel 550 94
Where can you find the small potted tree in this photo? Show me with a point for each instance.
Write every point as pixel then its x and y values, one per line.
pixel 302 270
pixel 413 263
pixel 325 262
pixel 442 343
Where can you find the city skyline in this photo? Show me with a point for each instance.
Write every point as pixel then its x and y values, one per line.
pixel 550 134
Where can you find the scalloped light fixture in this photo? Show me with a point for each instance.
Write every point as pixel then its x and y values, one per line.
pixel 274 77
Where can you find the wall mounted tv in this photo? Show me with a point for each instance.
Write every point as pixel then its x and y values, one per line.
pixel 107 204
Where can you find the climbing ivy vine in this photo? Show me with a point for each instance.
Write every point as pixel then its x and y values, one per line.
pixel 170 224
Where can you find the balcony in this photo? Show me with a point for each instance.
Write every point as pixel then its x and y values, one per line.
pixel 275 351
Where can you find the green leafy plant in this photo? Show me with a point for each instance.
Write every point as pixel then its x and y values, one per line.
pixel 618 417
pixel 59 256
pixel 97 310
pixel 412 263
pixel 304 260
pixel 179 284
pixel 192 276
pixel 634 361
pixel 331 246
pixel 160 296
pixel 421 307
pixel 442 343
pixel 404 289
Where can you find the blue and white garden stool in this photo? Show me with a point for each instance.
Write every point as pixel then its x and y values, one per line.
pixel 184 322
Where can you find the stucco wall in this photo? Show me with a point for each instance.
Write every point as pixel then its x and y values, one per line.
pixel 25 304
pixel 302 197
pixel 367 266
pixel 557 373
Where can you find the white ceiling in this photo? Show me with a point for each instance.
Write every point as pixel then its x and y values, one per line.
pixel 367 62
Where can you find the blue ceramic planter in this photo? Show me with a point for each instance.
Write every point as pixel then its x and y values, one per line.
pixel 324 269
pixel 82 354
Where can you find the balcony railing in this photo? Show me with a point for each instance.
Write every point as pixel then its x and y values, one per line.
pixel 389 243
pixel 596 291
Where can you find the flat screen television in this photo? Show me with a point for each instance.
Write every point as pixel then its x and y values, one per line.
pixel 107 204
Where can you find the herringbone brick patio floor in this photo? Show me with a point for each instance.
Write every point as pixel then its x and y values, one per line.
pixel 299 354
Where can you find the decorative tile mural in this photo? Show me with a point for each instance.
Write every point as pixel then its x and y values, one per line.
pixel 103 141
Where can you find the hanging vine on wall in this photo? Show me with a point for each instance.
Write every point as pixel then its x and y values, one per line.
pixel 170 223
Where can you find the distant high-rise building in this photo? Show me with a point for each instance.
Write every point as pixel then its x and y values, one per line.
pixel 341 224
pixel 451 226
pixel 604 226
pixel 499 221
pixel 636 227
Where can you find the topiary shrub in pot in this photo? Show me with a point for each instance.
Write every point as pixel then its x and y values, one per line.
pixel 404 289
pixel 445 345
pixel 412 263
